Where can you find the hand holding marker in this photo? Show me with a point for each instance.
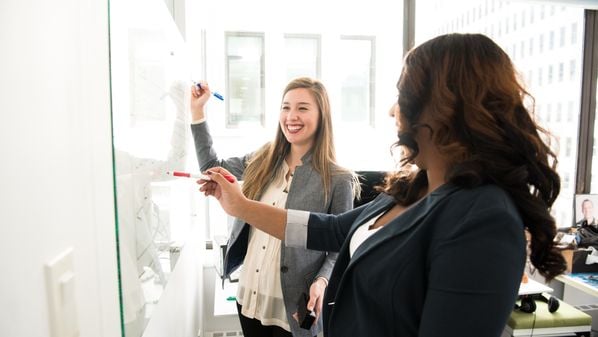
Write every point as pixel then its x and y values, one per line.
pixel 198 175
pixel 215 94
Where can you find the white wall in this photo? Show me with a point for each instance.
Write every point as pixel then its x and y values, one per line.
pixel 55 150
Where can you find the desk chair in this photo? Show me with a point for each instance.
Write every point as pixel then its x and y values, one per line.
pixel 368 180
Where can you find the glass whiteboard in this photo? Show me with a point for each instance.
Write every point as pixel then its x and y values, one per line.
pixel 151 136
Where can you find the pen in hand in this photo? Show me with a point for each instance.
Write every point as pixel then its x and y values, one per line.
pixel 214 93
pixel 197 175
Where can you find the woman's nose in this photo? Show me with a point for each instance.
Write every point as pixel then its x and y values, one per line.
pixel 393 110
pixel 292 114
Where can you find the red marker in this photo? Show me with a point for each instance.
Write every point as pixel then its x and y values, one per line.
pixel 198 175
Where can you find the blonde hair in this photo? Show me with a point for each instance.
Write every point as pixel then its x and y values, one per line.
pixel 265 166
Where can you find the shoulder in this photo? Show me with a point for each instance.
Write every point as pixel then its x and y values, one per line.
pixel 485 195
pixel 481 201
pixel 479 211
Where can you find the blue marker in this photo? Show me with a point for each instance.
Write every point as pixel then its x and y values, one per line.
pixel 215 94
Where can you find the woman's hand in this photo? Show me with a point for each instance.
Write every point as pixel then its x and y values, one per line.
pixel 199 96
pixel 228 193
pixel 316 296
pixel 264 217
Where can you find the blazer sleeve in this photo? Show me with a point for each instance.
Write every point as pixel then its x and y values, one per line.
pixel 319 231
pixel 207 157
pixel 341 201
pixel 474 275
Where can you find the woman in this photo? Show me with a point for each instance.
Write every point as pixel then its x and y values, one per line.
pixel 297 170
pixel 441 251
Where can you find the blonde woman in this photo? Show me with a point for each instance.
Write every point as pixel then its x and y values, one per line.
pixel 296 170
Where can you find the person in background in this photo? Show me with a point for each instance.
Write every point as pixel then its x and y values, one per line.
pixel 298 170
pixel 587 210
pixel 586 230
pixel 440 252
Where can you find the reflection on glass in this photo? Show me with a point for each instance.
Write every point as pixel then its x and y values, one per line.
pixel 302 55
pixel 150 132
pixel 542 40
pixel 357 80
pixel 245 78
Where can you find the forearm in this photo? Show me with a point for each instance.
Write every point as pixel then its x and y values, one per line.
pixel 264 217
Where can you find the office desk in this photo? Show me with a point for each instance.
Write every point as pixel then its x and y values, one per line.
pixel 586 282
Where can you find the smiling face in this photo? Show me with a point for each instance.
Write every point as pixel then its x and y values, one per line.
pixel 299 116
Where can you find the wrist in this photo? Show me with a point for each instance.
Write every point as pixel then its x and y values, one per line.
pixel 322 280
pixel 197 115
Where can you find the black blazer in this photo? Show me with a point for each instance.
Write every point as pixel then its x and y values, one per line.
pixel 450 265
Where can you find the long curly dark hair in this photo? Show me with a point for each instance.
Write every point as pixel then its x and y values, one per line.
pixel 469 88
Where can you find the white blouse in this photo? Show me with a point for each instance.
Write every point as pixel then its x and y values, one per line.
pixel 259 292
pixel 362 233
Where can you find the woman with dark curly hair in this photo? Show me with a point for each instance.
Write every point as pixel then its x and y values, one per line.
pixel 441 251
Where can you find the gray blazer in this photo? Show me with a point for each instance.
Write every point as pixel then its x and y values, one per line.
pixel 299 267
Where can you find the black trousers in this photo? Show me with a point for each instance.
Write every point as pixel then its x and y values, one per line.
pixel 254 328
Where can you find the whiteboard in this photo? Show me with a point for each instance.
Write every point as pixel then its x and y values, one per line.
pixel 151 136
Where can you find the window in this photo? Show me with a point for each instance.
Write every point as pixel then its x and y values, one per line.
pixel 568 146
pixel 302 55
pixel 357 82
pixel 541 43
pixel 559 113
pixel 244 78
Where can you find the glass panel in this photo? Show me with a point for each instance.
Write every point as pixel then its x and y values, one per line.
pixel 302 56
pixel 245 78
pixel 356 82
pixel 150 137
pixel 548 35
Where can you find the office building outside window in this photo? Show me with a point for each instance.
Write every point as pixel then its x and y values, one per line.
pixel 434 17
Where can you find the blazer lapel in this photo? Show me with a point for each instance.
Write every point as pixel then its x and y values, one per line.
pixel 375 208
pixel 409 219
